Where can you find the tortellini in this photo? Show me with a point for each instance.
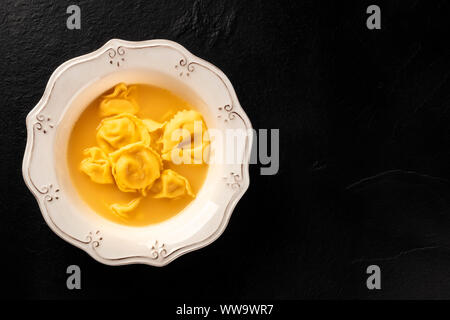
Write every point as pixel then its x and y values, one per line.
pixel 155 130
pixel 118 102
pixel 153 126
pixel 185 138
pixel 131 151
pixel 97 166
pixel 135 167
pixel 120 130
pixel 122 210
pixel 172 185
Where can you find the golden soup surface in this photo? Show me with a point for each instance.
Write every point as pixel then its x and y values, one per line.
pixel 100 162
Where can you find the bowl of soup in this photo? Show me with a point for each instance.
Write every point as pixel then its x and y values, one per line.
pixel 138 152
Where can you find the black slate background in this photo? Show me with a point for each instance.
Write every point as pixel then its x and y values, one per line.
pixel 364 151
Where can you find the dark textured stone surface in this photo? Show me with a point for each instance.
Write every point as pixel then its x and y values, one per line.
pixel 364 125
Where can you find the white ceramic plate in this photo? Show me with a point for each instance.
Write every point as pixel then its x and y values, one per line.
pixel 71 88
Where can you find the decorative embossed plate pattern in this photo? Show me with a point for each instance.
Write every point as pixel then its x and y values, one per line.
pixel 70 89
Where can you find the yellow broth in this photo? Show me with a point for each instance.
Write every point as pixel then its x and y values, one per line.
pixel 157 104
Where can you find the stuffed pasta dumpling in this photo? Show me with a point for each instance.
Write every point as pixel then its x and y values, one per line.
pixel 120 130
pixel 185 137
pixel 118 102
pixel 122 210
pixel 172 185
pixel 97 165
pixel 155 130
pixel 135 167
